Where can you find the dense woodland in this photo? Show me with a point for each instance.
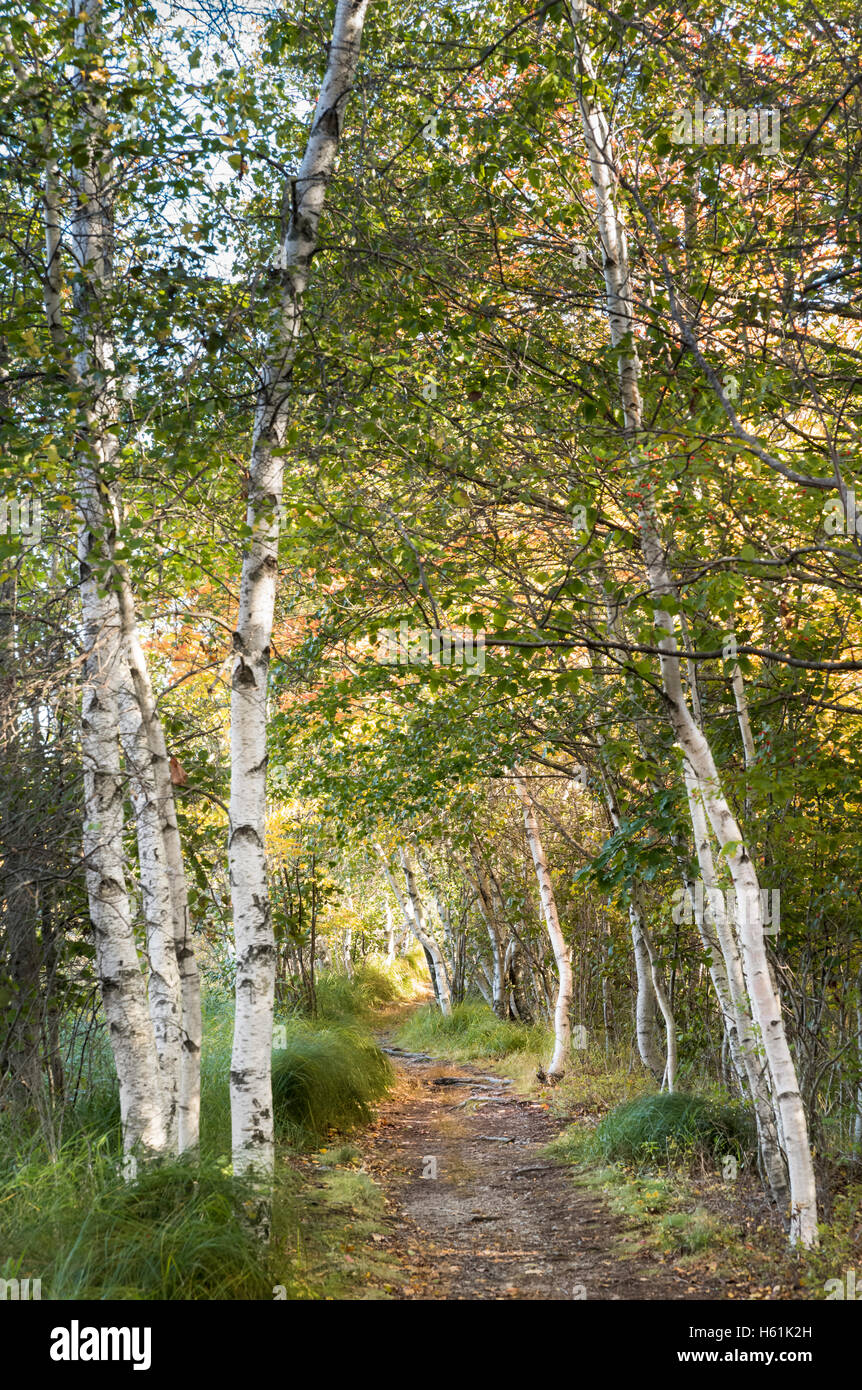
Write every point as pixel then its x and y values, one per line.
pixel 430 590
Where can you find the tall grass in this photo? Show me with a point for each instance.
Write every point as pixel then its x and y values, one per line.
pixel 327 1077
pixel 662 1129
pixel 471 1030
pixel 87 1234
pixel 375 983
pixel 69 1218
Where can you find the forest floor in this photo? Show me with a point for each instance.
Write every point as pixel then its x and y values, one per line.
pixel 452 1194
pixel 478 1210
pixel 485 1214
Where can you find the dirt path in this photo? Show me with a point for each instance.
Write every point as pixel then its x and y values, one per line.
pixel 477 1211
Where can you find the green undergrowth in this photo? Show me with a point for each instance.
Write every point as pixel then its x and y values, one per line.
pixel 597 1082
pixel 669 1128
pixel 87 1234
pixel 326 1078
pixel 376 983
pixel 834 1271
pixel 70 1219
pixel 176 1233
pixel 472 1030
pixel 660 1211
pixel 653 1158
pixel 337 1246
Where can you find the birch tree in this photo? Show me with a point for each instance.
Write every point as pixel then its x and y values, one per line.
pixel 410 902
pixel 790 1114
pixel 562 1010
pixel 114 711
pixel 250 1078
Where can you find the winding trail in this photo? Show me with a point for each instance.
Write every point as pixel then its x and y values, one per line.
pixel 478 1212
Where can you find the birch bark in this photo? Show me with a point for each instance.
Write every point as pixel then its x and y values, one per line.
pixel 160 806
pixel 121 982
pixel 668 1078
pixel 646 1003
pixel 109 711
pixel 766 1007
pixel 164 979
pixel 411 905
pixel 250 1077
pixel 109 699
pixel 728 979
pixel 486 907
pixel 562 1009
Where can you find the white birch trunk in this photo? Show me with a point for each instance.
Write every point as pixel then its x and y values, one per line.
pixel 121 981
pixel 390 933
pixel 486 907
pixel 562 1010
pixel 668 1079
pixel 483 984
pixel 743 717
pixel 251 1081
pixel 766 1007
pixel 163 979
pixel 161 806
pixel 416 915
pixel 725 964
pixel 108 699
pixel 647 1002
pixel 411 907
pixel 729 981
pixel 744 722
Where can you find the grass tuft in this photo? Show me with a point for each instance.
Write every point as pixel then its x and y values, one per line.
pixel 375 983
pixel 175 1233
pixel 661 1129
pixel 326 1078
pixel 471 1030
